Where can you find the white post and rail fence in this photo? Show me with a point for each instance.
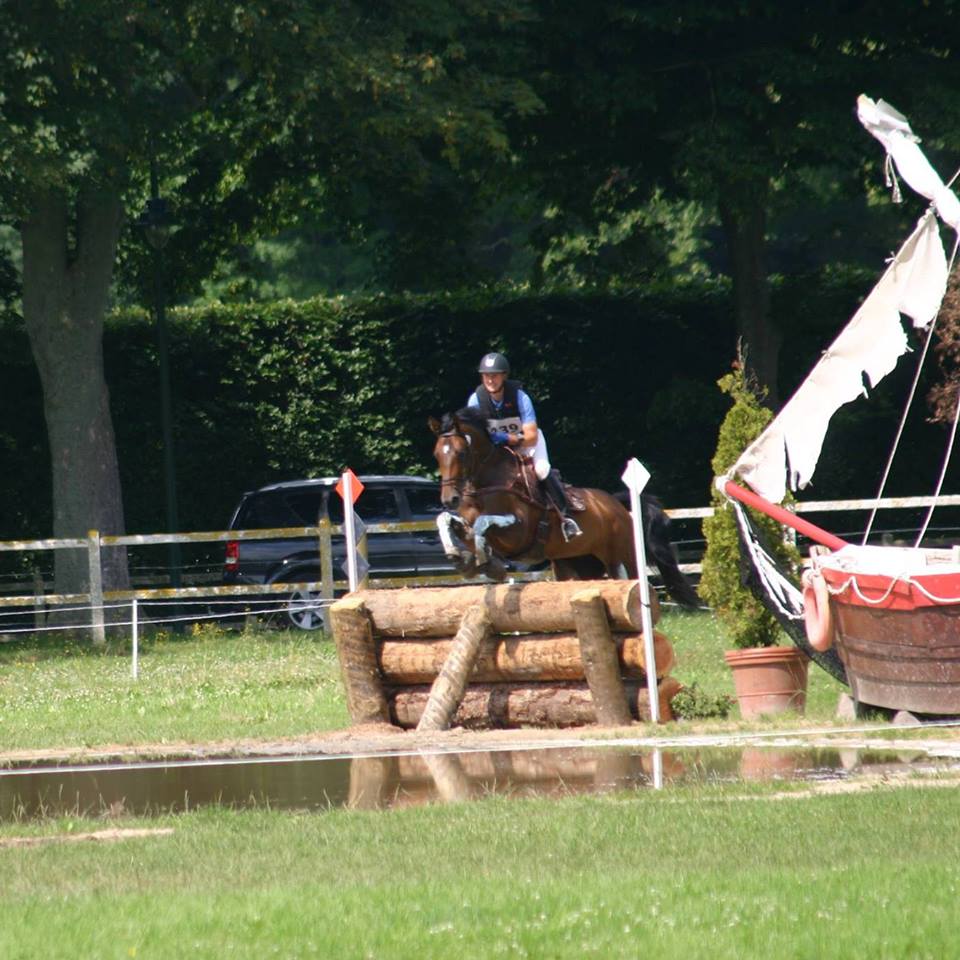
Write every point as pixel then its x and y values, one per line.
pixel 96 600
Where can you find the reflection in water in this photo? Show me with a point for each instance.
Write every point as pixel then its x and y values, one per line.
pixel 410 779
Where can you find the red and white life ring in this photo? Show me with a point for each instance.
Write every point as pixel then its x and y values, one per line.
pixel 817 618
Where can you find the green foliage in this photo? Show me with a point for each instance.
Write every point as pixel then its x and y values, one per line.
pixel 275 391
pixel 694 703
pixel 749 623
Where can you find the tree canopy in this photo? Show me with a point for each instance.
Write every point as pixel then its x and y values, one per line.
pixel 617 143
pixel 247 110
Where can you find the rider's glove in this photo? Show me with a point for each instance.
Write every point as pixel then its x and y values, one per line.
pixel 500 437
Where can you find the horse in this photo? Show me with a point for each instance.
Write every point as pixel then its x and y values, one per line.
pixel 500 516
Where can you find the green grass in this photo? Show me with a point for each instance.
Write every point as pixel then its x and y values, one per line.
pixel 213 685
pixel 209 685
pixel 713 873
pixel 752 870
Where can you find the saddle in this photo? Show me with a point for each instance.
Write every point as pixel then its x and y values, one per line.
pixel 527 483
pixel 575 499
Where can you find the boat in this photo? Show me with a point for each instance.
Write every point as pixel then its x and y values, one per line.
pixel 886 619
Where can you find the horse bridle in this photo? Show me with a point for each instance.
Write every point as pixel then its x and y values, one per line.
pixel 458 483
pixel 465 485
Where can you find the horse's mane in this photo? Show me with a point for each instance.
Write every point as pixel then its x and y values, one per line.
pixel 468 416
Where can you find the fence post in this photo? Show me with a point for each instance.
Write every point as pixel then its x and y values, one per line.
pixel 364 581
pixel 96 587
pixel 134 638
pixel 326 558
pixel 39 609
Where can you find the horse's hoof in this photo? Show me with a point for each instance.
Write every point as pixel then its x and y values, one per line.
pixel 466 566
pixel 495 569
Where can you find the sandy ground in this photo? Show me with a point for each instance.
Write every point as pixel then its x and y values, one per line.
pixel 378 739
pixel 361 740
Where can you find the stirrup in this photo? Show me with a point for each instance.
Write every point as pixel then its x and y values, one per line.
pixel 570 528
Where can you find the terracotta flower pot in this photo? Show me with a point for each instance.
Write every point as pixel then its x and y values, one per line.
pixel 769 680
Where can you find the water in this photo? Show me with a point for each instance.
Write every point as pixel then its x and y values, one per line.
pixel 382 782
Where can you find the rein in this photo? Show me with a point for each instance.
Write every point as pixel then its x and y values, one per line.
pixel 514 489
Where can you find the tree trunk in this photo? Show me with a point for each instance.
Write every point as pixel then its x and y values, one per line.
pixel 744 220
pixel 599 656
pixel 353 635
pixel 525 607
pixel 447 690
pixel 493 705
pixel 534 657
pixel 64 300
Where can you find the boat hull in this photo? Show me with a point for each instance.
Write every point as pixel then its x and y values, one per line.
pixel 900 649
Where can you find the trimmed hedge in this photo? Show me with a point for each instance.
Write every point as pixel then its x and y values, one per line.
pixel 274 391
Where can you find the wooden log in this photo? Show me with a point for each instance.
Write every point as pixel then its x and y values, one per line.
pixel 667 689
pixel 537 656
pixel 447 689
pixel 600 664
pixel 541 607
pixel 509 705
pixel 353 636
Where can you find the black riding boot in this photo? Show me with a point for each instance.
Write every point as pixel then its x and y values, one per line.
pixel 554 488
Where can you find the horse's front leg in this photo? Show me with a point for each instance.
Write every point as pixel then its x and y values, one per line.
pixel 480 527
pixel 454 533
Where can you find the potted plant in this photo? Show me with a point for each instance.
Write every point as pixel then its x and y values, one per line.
pixel 768 678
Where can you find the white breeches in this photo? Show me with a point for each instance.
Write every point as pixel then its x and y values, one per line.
pixel 541 460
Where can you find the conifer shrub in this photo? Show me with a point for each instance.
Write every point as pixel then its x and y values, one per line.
pixel 748 622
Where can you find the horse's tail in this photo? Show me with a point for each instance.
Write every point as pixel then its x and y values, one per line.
pixel 656 535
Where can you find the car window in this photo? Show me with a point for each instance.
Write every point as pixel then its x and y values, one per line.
pixel 424 501
pixel 263 510
pixel 374 505
pixel 305 505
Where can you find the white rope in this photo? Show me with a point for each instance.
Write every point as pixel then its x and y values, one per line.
pixel 852 584
pixel 50 607
pixel 890 178
pixel 906 411
pixel 953 430
pixel 943 472
pixel 238 600
pixel 899 434
pixel 778 588
pixel 190 618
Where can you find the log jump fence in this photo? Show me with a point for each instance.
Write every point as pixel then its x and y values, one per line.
pixel 548 653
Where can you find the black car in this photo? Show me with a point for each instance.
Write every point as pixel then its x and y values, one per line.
pixel 301 503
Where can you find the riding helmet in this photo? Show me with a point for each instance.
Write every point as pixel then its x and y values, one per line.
pixel 494 363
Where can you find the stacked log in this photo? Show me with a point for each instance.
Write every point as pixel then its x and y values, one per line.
pixel 551 654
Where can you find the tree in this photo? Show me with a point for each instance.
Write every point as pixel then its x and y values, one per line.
pixel 729 105
pixel 245 109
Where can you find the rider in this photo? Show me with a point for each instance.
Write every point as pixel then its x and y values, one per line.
pixel 512 422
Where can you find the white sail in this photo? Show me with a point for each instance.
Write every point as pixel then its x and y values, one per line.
pixel 874 340
pixel 891 128
pixel 871 344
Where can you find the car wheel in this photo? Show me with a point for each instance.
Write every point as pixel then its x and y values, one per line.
pixel 306 610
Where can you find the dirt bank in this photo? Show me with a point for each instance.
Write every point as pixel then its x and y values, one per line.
pixel 383 739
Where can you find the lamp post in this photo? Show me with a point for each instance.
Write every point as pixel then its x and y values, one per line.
pixel 156 223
